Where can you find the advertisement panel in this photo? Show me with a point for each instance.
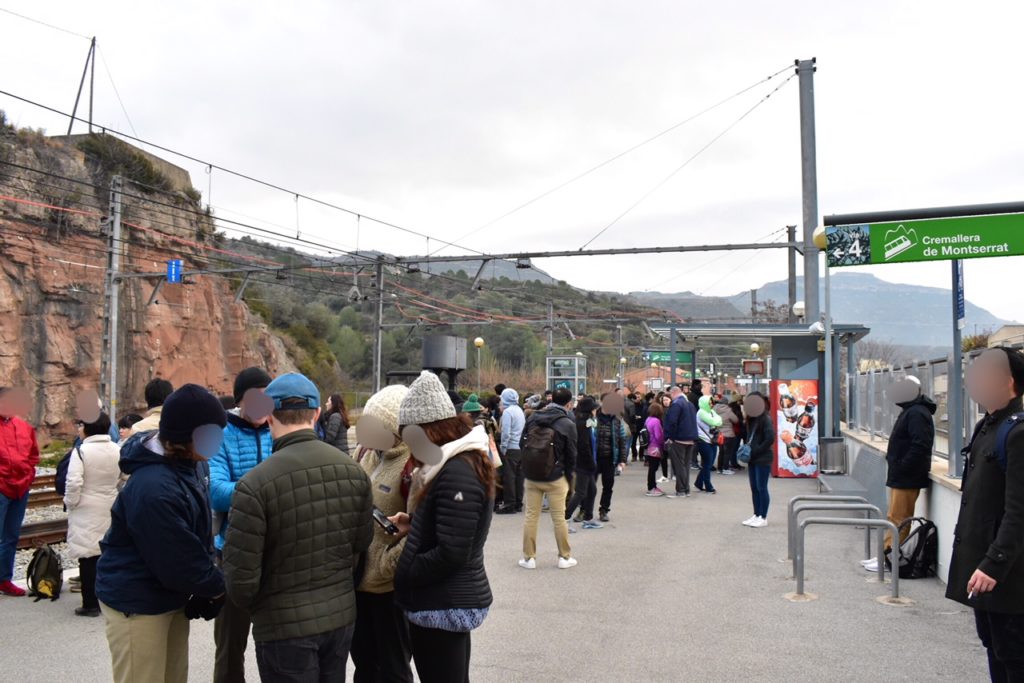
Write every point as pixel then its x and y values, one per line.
pixel 795 415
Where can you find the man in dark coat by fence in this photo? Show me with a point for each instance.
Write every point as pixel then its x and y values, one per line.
pixel 909 455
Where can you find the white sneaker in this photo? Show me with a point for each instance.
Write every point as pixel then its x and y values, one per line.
pixel 528 563
pixel 748 522
pixel 865 563
pixel 662 480
pixel 758 523
pixel 566 562
pixel 873 567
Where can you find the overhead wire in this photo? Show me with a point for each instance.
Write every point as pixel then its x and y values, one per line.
pixel 688 161
pixel 615 157
pixel 239 174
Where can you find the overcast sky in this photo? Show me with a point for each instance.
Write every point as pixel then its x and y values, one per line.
pixel 442 116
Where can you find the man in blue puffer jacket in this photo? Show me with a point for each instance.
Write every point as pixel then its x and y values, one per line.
pixel 247 442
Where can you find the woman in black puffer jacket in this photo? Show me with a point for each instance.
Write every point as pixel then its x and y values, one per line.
pixel 440 581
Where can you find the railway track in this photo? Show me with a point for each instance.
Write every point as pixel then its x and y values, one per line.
pixel 41 533
pixel 43 493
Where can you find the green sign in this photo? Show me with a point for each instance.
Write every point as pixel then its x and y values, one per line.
pixel 682 357
pixel 940 239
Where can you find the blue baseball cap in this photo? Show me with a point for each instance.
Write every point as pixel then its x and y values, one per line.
pixel 293 388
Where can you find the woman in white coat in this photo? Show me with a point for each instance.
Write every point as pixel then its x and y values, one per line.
pixel 93 473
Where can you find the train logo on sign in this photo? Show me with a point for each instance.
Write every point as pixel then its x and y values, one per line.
pixel 898 241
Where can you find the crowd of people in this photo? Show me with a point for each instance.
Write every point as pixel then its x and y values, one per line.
pixel 249 511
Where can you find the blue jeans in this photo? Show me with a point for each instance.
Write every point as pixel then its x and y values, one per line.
pixel 314 659
pixel 12 512
pixel 707 461
pixel 759 475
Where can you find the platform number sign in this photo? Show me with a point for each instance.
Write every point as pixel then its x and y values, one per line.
pixel 848 247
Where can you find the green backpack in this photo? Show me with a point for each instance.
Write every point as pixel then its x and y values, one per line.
pixel 45 574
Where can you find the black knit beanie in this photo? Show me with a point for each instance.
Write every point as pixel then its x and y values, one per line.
pixel 250 378
pixel 185 410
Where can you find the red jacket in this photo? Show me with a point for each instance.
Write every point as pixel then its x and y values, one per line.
pixel 19 455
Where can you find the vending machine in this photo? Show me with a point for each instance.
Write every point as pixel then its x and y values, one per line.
pixel 795 415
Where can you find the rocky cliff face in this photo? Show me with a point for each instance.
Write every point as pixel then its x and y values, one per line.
pixel 53 253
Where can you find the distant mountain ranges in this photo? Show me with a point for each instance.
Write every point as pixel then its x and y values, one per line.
pixel 907 315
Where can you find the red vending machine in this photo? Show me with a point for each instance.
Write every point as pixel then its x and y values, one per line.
pixel 795 414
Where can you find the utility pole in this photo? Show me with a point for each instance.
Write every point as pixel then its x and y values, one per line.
pixel 378 339
pixel 90 68
pixel 618 361
pixel 753 305
pixel 805 69
pixel 551 327
pixel 672 355
pixel 791 254
pixel 108 361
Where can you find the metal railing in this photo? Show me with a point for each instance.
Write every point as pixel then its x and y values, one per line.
pixel 871 412
pixel 816 498
pixel 831 503
pixel 880 524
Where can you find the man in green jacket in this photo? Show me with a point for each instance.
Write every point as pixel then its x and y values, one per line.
pixel 299 521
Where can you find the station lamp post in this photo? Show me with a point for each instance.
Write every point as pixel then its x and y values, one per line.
pixel 622 372
pixel 479 344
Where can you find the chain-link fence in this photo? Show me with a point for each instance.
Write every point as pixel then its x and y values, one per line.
pixel 871 411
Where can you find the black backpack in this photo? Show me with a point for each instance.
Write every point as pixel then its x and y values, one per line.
pixel 538 452
pixel 60 484
pixel 643 438
pixel 919 553
pixel 45 574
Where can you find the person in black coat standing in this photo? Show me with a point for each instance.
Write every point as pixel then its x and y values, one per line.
pixel 585 479
pixel 760 437
pixel 909 455
pixel 440 581
pixel 987 568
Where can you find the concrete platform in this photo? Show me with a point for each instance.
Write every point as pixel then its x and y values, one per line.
pixel 670 590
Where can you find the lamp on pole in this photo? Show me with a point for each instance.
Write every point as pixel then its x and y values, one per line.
pixel 622 372
pixel 479 344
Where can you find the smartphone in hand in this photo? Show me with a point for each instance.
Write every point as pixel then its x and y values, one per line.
pixel 382 520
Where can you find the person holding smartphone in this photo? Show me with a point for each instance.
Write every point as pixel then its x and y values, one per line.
pixel 441 580
pixel 380 644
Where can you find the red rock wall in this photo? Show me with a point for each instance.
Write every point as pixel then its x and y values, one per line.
pixel 51 294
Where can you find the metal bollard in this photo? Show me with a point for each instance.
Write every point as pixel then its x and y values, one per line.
pixel 791 519
pixel 842 507
pixel 881 524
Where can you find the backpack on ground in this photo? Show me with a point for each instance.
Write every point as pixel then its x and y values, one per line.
pixel 61 479
pixel 919 553
pixel 45 573
pixel 538 452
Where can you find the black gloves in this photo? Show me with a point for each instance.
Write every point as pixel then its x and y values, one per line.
pixel 207 608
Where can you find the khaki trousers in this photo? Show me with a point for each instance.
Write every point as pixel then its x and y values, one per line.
pixel 147 648
pixel 556 491
pixel 901 506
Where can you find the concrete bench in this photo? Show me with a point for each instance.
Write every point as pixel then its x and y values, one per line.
pixel 867 479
